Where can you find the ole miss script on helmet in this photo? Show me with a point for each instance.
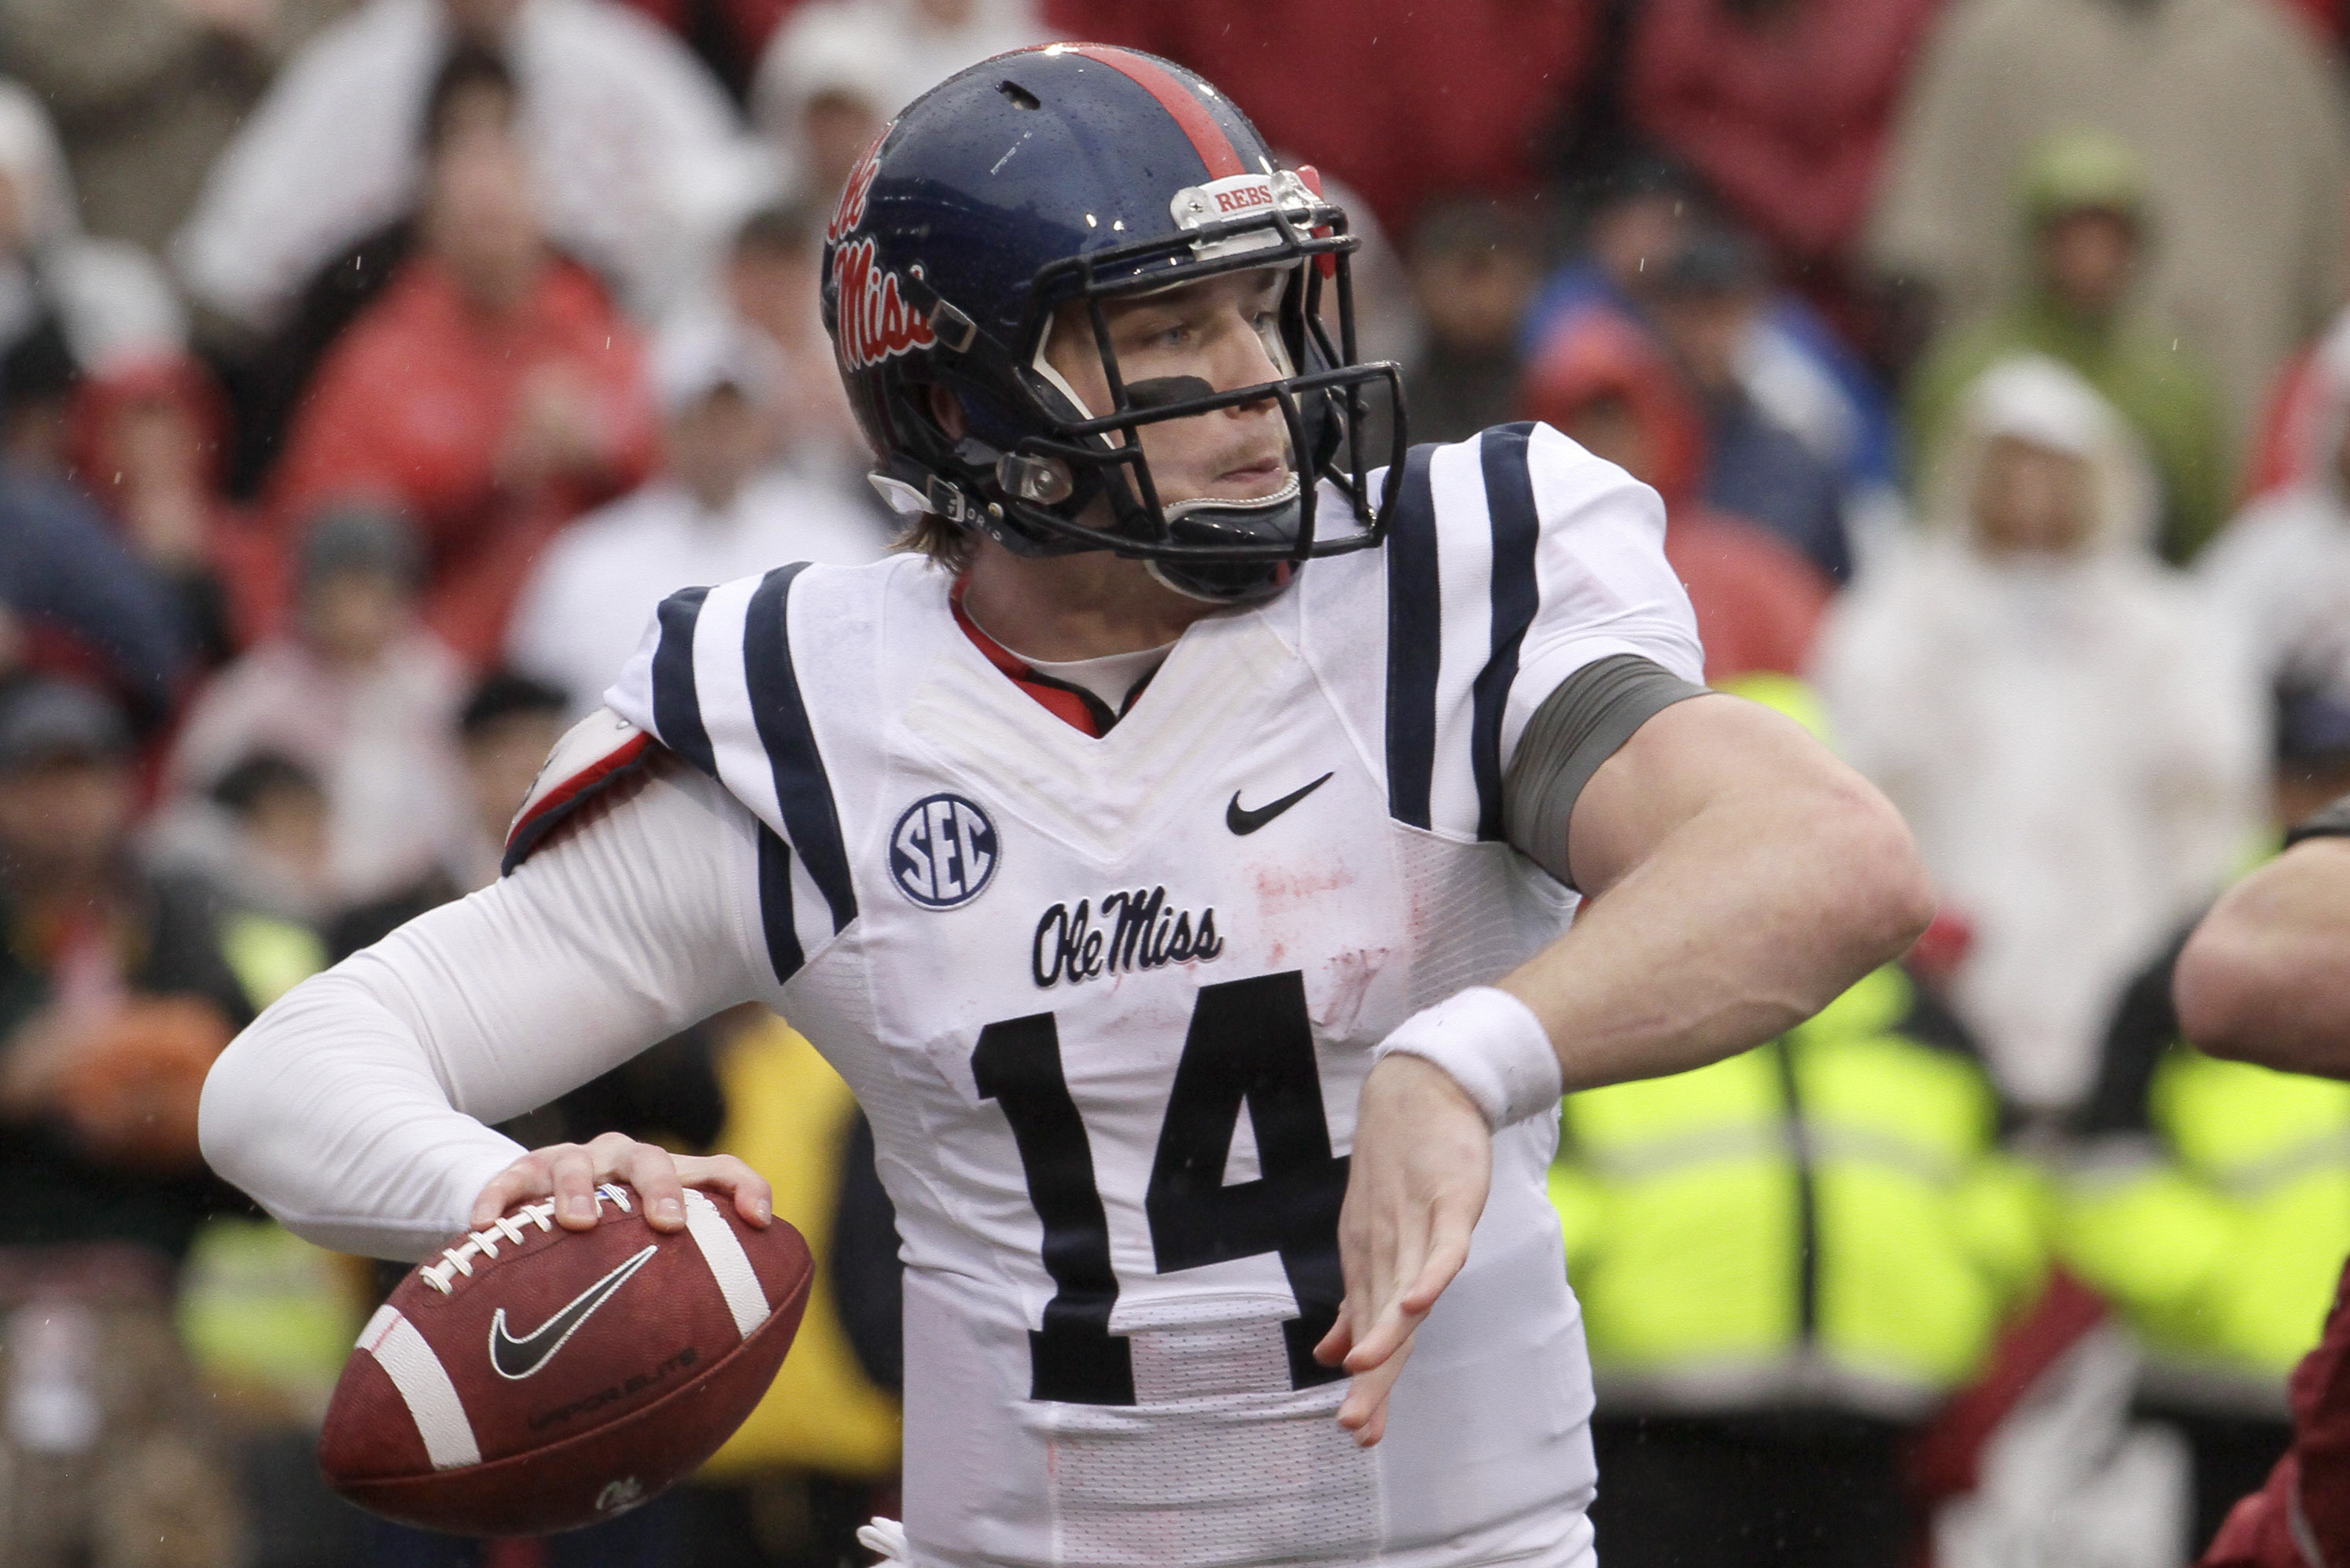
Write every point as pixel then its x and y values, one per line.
pixel 532 1379
pixel 875 322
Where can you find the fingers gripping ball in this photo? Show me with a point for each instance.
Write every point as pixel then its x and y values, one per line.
pixel 531 1379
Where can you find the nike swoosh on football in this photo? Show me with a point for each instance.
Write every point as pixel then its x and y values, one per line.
pixel 1242 821
pixel 516 1359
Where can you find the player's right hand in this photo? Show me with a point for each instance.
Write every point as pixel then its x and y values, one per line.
pixel 570 1172
pixel 1422 1165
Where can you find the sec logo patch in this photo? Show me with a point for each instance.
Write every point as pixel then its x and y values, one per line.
pixel 942 852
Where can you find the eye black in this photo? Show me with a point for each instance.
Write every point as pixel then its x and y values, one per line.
pixel 1158 391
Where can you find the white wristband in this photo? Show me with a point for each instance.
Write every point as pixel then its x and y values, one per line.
pixel 1490 1043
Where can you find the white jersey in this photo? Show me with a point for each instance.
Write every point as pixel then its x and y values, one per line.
pixel 1109 1004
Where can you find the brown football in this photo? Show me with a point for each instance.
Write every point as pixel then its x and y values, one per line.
pixel 531 1379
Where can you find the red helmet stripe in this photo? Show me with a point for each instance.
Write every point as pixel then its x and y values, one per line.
pixel 1208 139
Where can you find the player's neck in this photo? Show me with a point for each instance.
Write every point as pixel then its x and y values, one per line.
pixel 1063 607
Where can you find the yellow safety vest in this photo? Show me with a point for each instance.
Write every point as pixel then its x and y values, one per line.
pixel 1821 1218
pixel 787 1116
pixel 2221 1239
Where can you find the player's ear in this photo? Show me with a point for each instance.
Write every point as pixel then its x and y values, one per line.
pixel 947 409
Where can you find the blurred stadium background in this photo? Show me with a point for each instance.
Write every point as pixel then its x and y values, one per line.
pixel 368 368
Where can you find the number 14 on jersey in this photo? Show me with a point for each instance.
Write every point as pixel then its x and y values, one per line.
pixel 1250 1042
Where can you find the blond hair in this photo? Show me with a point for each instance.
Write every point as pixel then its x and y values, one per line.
pixel 947 546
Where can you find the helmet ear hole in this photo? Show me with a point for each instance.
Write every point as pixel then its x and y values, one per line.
pixel 1020 96
pixel 947 411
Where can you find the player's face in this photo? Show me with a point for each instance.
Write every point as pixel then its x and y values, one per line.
pixel 1222 331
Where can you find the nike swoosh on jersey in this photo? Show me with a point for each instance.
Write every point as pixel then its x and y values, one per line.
pixel 516 1359
pixel 1242 821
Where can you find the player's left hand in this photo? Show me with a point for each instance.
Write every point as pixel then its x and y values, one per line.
pixel 569 1173
pixel 1422 1163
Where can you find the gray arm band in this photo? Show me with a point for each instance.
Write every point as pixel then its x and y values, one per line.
pixel 1579 726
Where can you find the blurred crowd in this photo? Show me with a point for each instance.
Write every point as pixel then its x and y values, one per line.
pixel 371 368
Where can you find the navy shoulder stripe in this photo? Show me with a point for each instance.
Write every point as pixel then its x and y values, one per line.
pixel 677 706
pixel 784 952
pixel 803 792
pixel 1415 644
pixel 1517 529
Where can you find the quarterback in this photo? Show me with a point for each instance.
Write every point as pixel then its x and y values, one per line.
pixel 1178 851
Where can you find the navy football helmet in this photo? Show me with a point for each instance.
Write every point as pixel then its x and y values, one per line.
pixel 1084 172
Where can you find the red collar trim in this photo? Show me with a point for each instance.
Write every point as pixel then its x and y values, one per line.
pixel 998 655
pixel 1067 705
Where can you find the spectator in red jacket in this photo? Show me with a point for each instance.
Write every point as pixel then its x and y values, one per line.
pixel 1401 100
pixel 492 393
pixel 1781 104
pixel 1602 380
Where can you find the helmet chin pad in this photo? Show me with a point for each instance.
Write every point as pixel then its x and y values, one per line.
pixel 1223 521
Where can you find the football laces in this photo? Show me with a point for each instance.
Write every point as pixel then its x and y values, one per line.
pixel 483 1244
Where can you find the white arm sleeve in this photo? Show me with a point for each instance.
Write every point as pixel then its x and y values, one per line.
pixel 353 1109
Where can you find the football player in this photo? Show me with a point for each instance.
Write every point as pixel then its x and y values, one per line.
pixel 2265 978
pixel 1174 849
